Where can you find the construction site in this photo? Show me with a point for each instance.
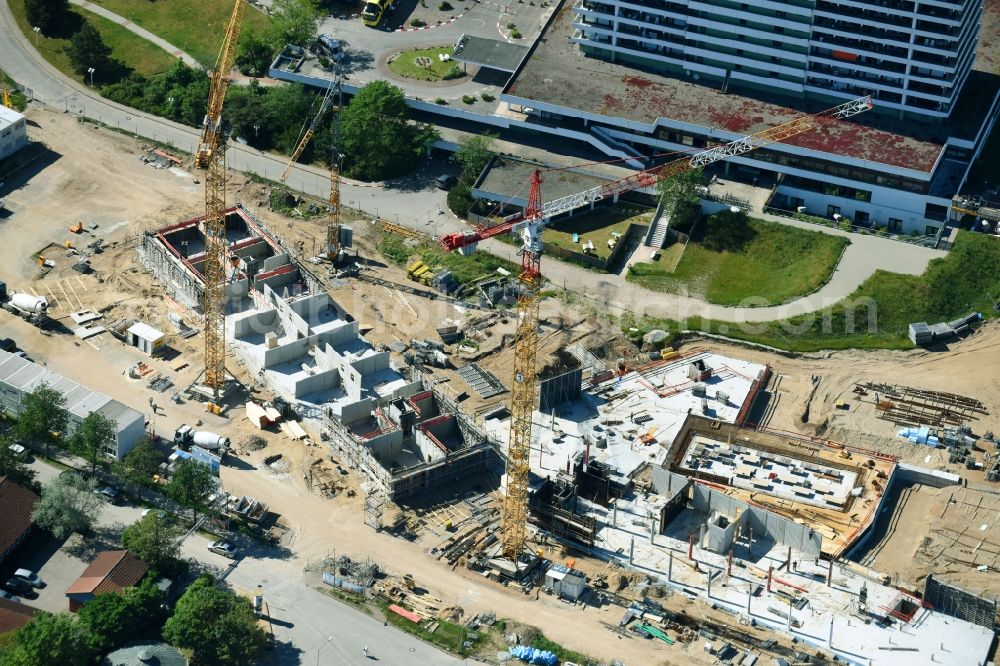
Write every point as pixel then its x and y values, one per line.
pixel 517 454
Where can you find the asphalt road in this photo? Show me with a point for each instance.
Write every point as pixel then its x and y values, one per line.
pixel 309 627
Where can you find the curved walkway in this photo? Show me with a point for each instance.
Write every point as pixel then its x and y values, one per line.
pixel 419 208
pixel 141 32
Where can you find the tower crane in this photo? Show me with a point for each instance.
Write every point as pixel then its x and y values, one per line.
pixel 328 99
pixel 211 155
pixel 529 226
pixel 7 101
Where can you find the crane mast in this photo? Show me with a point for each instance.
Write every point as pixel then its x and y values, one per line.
pixel 211 155
pixel 336 158
pixel 530 225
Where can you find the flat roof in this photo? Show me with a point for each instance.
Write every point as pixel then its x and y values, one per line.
pixel 509 179
pixel 556 71
pixel 491 53
pixel 633 420
pixel 9 116
pixel 145 331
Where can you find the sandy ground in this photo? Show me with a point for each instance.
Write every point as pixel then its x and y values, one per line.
pixel 98 178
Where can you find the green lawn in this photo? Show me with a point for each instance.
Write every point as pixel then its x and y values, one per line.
pixel 764 260
pixel 194 26
pixel 130 49
pixel 878 314
pixel 597 226
pixel 430 67
pixel 464 268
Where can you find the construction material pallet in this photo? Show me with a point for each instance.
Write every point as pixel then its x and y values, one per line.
pixel 483 382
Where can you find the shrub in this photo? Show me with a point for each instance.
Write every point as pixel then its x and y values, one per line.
pixel 460 199
pixel 468 99
pixel 441 100
pixel 417 23
pixel 511 26
pixel 445 6
pixel 486 97
pixel 515 34
pixel 454 73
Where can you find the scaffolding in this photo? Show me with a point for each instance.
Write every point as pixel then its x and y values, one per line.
pixel 374 508
pixel 956 602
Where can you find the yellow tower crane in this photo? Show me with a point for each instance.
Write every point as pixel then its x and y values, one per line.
pixel 332 95
pixel 211 155
pixel 529 226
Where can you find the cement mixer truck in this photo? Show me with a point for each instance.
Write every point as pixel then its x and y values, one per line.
pixel 185 437
pixel 31 308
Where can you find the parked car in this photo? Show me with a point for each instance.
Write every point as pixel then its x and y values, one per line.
pixel 30 577
pixel 4 594
pixel 446 182
pixel 223 548
pixel 108 493
pixel 20 587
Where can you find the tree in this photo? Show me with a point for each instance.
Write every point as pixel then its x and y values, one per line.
pixel 460 198
pixel 253 54
pixel 13 467
pixel 68 505
pixel 92 438
pixel 218 626
pixel 684 188
pixel 294 22
pixel 87 49
pixel 49 639
pixel 154 541
pixel 474 154
pixel 191 485
pixel 46 14
pixel 114 619
pixel 43 418
pixel 376 139
pixel 139 465
pixel 728 231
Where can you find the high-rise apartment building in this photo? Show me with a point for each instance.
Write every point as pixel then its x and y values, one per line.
pixel 911 56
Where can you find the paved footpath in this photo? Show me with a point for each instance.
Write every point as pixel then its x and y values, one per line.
pixel 142 32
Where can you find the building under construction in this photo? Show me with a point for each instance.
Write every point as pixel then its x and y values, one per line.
pixel 655 470
pixel 175 255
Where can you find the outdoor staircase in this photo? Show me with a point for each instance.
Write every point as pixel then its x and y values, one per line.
pixel 657 233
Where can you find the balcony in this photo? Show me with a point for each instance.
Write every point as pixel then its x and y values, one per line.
pixel 861 29
pixel 878 16
pixel 830 39
pixel 847 73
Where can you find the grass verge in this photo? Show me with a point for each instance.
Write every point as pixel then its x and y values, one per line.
pixel 446 635
pixel 727 263
pixel 878 314
pixel 194 26
pixel 16 97
pixel 126 47
pixel 464 268
pixel 433 69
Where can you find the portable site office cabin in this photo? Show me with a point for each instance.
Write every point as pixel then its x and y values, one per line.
pixel 146 338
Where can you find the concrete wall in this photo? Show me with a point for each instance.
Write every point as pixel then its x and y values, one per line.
pixel 928 477
pixel 764 523
pixel 668 483
pixel 253 323
pixel 386 447
pixel 321 381
pixel 429 451
pixel 356 411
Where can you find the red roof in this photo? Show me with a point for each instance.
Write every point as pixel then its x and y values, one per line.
pixel 15 520
pixel 111 571
pixel 13 615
